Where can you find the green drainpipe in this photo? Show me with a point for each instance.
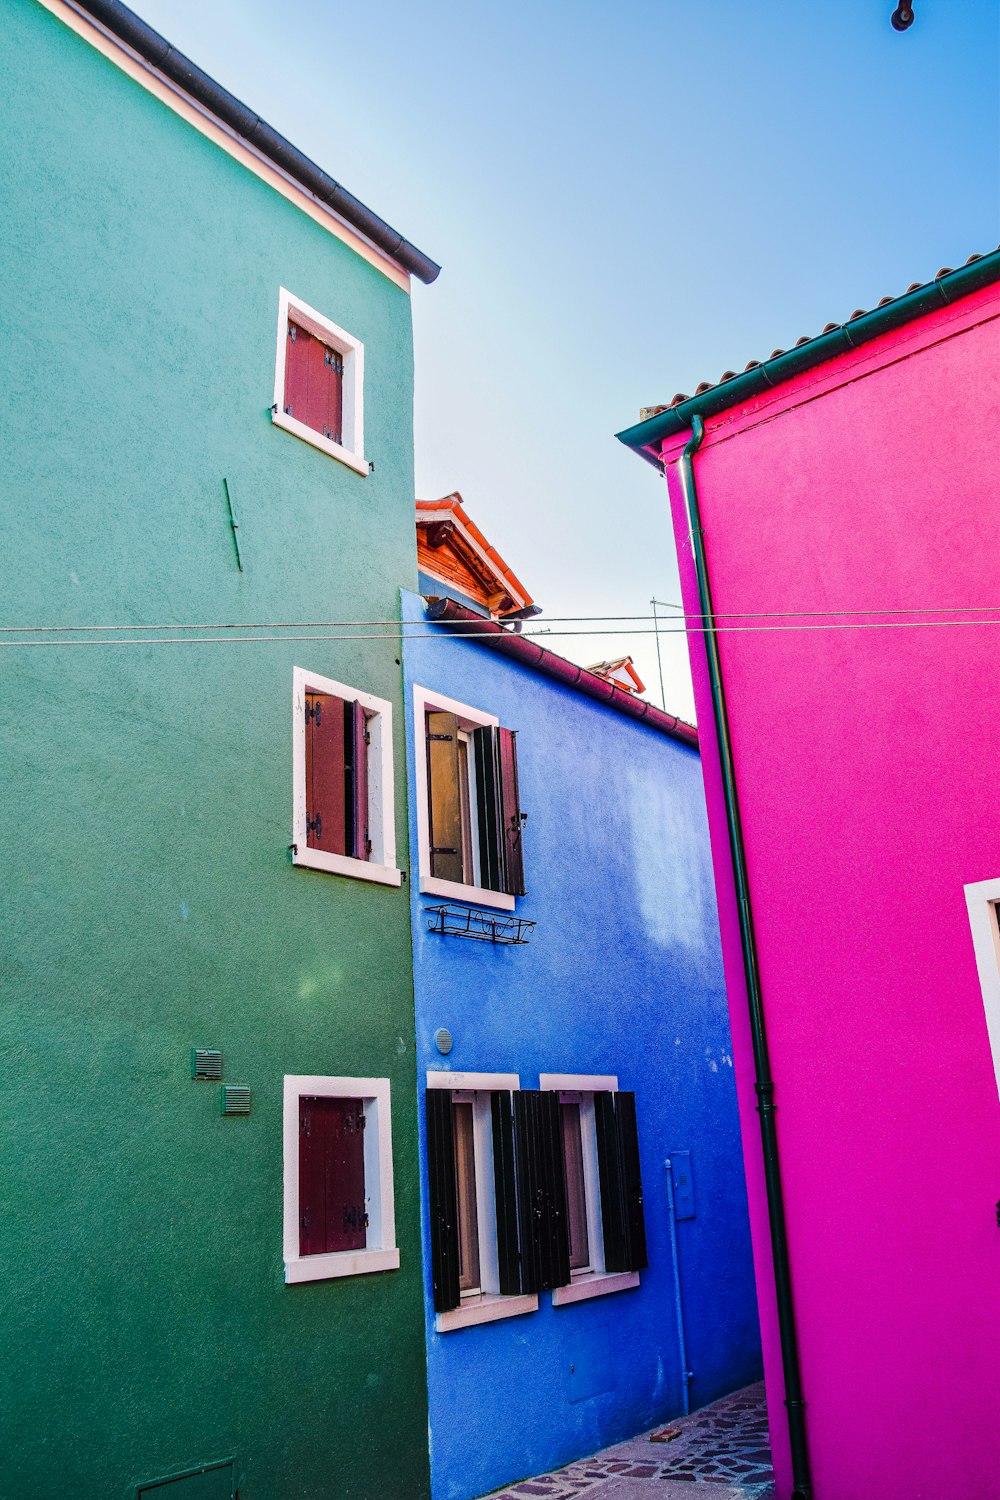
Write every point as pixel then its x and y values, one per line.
pixel 764 1083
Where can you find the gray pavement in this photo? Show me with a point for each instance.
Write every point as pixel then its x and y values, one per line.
pixel 718 1453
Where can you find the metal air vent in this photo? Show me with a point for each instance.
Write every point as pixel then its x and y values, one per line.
pixel 206 1062
pixel 235 1098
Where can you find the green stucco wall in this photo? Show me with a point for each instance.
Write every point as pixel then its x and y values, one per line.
pixel 149 900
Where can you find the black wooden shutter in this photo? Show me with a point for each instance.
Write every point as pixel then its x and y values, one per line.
pixel 505 1189
pixel 541 1190
pixel 628 1145
pixel 622 1216
pixel 510 812
pixel 443 1200
pixel 444 807
pixel 491 862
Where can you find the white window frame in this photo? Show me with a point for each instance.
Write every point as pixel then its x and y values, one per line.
pixel 425 701
pixel 381 868
pixel 352 450
pixel 594 1281
pixel 489 1305
pixel 380 1253
pixel 982 899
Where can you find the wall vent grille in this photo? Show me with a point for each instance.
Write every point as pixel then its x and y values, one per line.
pixel 206 1063
pixel 235 1099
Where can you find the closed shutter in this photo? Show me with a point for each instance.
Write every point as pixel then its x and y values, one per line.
pixel 541 1190
pixel 314 383
pixel 491 866
pixel 510 813
pixel 326 781
pixel 356 736
pixel 331 1175
pixel 443 1200
pixel 505 1192
pixel 622 1214
pixel 444 806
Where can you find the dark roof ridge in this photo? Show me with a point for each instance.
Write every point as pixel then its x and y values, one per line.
pixel 181 71
pixel 836 338
pixel 530 654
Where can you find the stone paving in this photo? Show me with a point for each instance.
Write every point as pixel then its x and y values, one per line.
pixel 721 1453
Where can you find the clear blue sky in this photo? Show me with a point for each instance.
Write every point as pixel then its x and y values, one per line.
pixel 625 200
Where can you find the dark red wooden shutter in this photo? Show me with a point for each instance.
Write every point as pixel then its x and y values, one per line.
pixel 356 736
pixel 541 1190
pixel 332 1212
pixel 505 1191
pixel 511 819
pixel 314 383
pixel 444 806
pixel 622 1216
pixel 326 773
pixel 443 1200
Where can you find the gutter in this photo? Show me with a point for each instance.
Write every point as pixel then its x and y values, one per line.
pixel 470 626
pixel 763 1082
pixel 181 71
pixel 946 288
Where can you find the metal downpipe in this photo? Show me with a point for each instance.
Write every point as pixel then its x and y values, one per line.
pixel 764 1083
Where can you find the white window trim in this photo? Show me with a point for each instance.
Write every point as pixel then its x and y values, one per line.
pixel 381 1253
pixel 490 1305
pixel 425 700
pixel 597 1282
pixel 981 898
pixel 381 868
pixel 352 450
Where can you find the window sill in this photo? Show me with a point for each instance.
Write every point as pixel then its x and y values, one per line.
pixel 601 1284
pixel 339 1263
pixel 489 1308
pixel 474 894
pixel 298 429
pixel 343 864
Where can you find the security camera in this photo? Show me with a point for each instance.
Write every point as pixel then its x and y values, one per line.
pixel 902 17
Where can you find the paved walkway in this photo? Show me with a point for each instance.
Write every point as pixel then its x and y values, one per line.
pixel 720 1453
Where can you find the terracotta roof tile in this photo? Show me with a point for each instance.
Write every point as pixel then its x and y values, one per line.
pixel 806 338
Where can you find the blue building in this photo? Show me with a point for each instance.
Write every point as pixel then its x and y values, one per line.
pixel 572 1035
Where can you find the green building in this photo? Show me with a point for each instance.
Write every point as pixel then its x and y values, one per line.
pixel 207 1020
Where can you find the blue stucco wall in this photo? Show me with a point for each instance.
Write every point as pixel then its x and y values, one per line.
pixel 623 975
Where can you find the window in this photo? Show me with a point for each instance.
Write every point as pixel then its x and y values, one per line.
pixel 530 1190
pixel 469 819
pixel 319 382
pixel 473 1208
pixel 339 1218
pixel 983 902
pixel 604 1212
pixel 343 815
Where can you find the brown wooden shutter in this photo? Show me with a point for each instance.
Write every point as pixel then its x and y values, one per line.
pixel 511 819
pixel 505 1193
pixel 491 866
pixel 332 1212
pixel 541 1190
pixel 326 773
pixel 314 383
pixel 444 805
pixel 622 1216
pixel 443 1200
pixel 356 738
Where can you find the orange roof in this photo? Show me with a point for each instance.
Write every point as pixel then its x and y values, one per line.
pixel 452 549
pixel 619 671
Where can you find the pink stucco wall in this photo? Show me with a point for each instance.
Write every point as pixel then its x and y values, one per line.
pixel 868 770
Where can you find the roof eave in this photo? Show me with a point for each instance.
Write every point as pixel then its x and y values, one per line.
pixel 158 53
pixel 646 437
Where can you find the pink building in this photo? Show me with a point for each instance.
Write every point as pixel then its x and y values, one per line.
pixel 837 517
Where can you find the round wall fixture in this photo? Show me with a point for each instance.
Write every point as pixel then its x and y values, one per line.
pixel 442 1040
